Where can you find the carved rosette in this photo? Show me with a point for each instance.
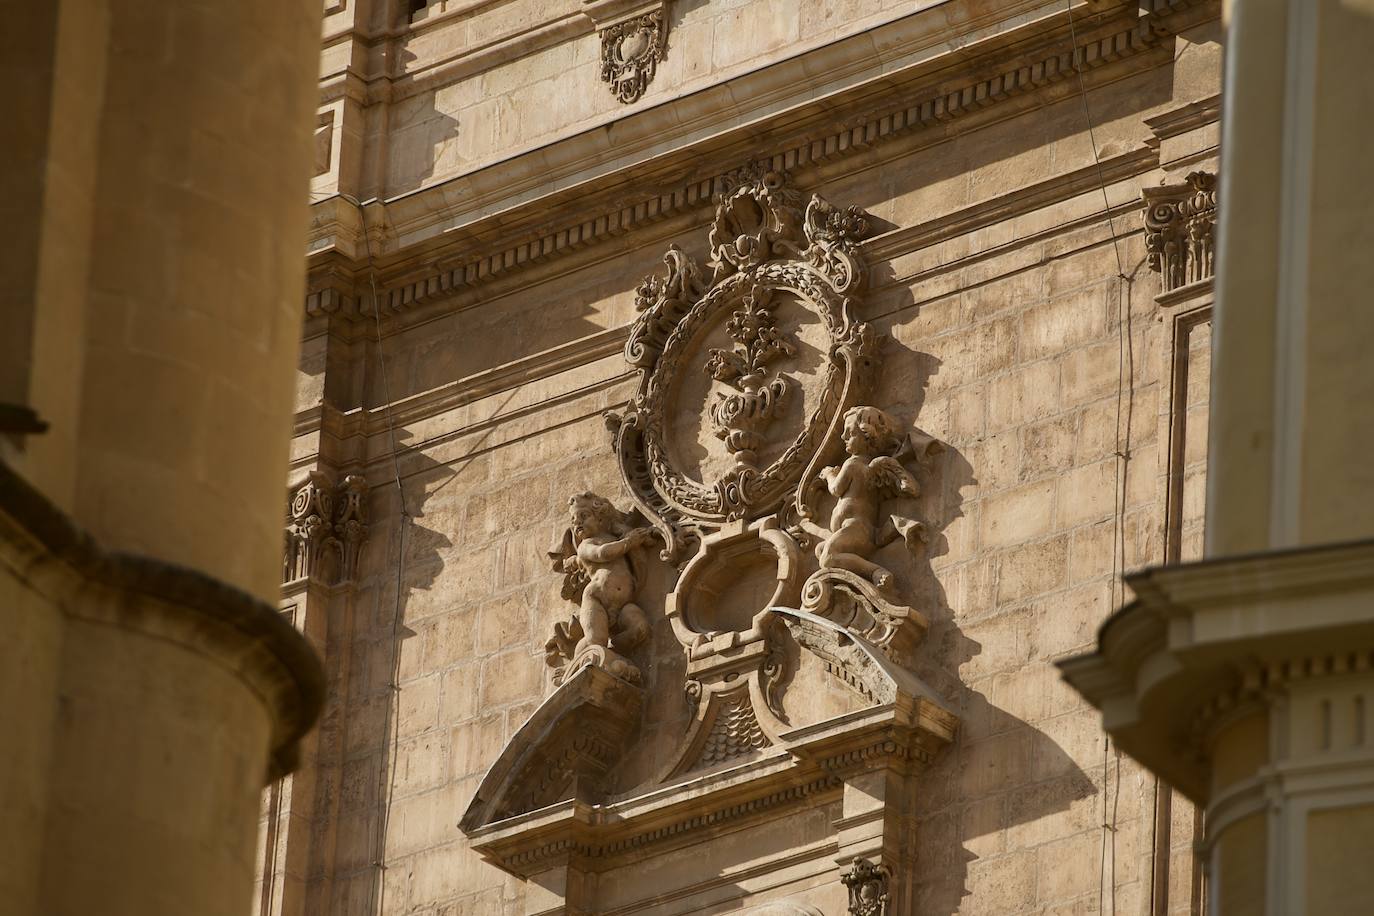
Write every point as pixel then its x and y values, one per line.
pixel 630 53
pixel 1180 224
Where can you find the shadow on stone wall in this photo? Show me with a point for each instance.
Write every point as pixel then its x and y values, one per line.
pixel 413 576
pixel 1001 771
pixel 417 135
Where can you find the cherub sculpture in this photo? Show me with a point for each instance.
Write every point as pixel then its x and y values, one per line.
pixel 597 557
pixel 869 475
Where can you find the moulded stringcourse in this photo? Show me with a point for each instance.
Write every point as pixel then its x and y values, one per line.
pixel 878 128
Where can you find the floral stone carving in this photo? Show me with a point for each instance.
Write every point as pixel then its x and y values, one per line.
pixel 630 54
pixel 740 416
pixel 1180 229
pixel 597 558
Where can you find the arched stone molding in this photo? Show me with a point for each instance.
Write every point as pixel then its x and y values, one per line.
pixel 562 752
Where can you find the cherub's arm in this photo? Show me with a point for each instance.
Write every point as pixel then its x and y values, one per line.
pixel 837 478
pixel 611 550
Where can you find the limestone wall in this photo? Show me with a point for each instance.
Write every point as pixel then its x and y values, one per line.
pixel 1009 301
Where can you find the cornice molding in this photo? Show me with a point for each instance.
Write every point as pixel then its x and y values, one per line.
pixel 446 275
pixel 810 766
pixel 227 625
pixel 1202 638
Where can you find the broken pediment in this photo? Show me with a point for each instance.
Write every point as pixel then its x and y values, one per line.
pixel 563 751
pixel 760 476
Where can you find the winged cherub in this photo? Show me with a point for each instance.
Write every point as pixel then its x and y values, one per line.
pixel 870 474
pixel 596 558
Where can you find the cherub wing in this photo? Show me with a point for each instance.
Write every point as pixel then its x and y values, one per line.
pixel 563 559
pixel 890 478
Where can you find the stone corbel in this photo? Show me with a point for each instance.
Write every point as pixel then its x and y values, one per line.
pixel 634 38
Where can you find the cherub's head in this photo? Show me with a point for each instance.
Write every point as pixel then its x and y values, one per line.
pixel 869 431
pixel 591 515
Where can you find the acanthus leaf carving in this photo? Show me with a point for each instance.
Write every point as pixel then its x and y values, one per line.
pixel 325 529
pixel 661 302
pixel 1180 229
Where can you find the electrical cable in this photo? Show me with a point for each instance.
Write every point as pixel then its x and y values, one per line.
pixel 1125 391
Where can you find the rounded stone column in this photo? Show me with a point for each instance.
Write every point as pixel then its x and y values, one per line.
pixel 150 565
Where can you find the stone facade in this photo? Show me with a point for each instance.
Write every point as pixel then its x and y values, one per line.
pixel 887 262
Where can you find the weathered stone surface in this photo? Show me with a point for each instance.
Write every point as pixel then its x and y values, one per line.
pixel 509 284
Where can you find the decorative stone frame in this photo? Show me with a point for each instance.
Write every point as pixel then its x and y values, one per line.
pixel 821 268
pixel 544 811
pixel 634 38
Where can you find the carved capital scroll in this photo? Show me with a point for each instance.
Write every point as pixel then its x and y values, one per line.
pixel 1180 229
pixel 325 529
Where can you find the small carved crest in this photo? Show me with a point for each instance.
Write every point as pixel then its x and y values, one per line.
pixel 630 54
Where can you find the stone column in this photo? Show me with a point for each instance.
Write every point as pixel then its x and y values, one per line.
pixel 159 281
pixel 1246 679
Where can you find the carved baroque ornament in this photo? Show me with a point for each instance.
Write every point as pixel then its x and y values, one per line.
pixel 867 884
pixel 767 244
pixel 749 452
pixel 634 38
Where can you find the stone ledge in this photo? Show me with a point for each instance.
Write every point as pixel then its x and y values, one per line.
pixel 1202 637
pixel 810 765
pixel 50 552
pixel 424 224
